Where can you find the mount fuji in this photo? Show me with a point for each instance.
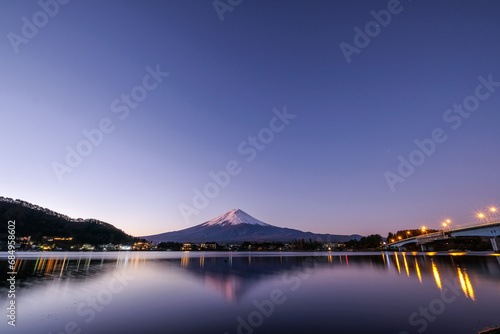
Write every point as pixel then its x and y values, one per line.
pixel 238 226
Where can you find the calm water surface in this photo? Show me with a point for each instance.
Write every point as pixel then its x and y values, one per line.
pixel 175 292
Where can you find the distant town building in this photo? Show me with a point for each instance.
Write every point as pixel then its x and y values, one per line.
pixel 209 246
pixel 141 246
pixel 87 247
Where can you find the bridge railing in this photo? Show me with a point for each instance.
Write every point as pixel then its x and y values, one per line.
pixel 462 227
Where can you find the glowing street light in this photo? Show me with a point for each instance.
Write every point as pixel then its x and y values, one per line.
pixel 492 211
pixel 445 224
pixel 399 237
pixel 423 229
pixel 408 234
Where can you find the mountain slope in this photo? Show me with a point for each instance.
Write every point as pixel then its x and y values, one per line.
pixel 238 226
pixel 35 221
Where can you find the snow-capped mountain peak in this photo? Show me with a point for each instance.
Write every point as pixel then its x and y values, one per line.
pixel 234 217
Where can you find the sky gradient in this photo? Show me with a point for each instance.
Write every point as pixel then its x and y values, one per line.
pixel 323 171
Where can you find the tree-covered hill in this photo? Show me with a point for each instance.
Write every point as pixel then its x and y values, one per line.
pixel 37 222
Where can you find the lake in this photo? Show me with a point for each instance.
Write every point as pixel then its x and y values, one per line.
pixel 215 292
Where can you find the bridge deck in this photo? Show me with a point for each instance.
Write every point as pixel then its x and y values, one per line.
pixel 442 234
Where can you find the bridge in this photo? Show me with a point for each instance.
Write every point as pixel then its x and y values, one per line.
pixel 490 230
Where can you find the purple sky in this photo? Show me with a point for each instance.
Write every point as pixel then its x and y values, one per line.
pixel 324 170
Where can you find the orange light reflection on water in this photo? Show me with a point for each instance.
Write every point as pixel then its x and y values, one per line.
pixel 406 265
pixel 466 284
pixel 397 262
pixel 436 276
pixel 418 271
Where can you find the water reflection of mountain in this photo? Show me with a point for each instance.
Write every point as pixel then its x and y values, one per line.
pixel 233 276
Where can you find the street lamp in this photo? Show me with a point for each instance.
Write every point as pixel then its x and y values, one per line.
pixel 408 234
pixel 446 223
pixel 493 211
pixel 488 216
pixel 423 229
pixel 399 237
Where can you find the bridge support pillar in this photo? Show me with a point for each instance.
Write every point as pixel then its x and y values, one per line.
pixel 494 244
pixel 423 247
